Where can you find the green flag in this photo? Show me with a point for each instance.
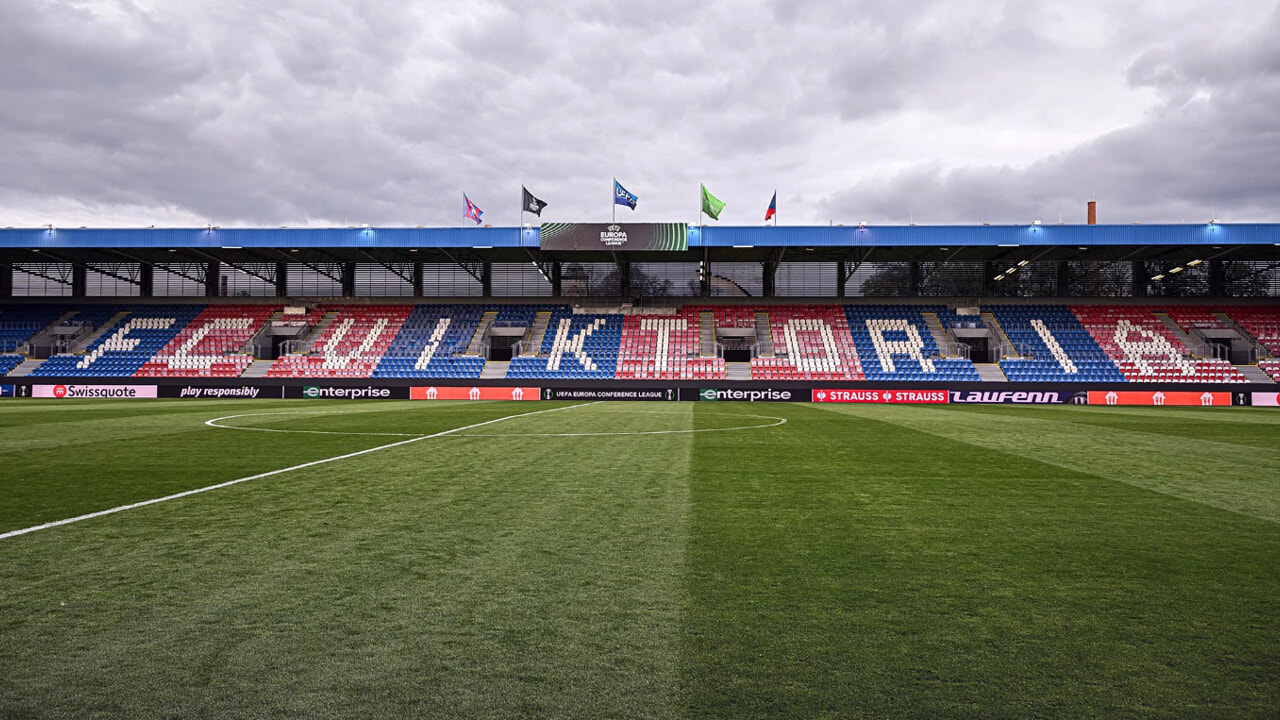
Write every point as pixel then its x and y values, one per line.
pixel 711 204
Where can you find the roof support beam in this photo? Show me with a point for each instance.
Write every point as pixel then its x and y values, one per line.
pixel 113 273
pixel 390 267
pixel 475 269
pixel 174 269
pixel 43 269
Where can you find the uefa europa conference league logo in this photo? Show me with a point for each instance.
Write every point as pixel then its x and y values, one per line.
pixel 613 236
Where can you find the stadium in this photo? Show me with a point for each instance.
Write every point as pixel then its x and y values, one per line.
pixel 641 470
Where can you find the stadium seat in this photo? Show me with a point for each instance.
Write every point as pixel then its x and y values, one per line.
pixel 810 342
pixel 126 345
pixel 351 346
pixel 575 346
pixel 663 345
pixel 894 344
pixel 1144 350
pixel 212 345
pixel 1053 346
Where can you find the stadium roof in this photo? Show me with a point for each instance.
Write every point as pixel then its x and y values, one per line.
pixel 793 243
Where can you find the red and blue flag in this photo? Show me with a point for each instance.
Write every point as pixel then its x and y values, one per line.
pixel 773 207
pixel 473 211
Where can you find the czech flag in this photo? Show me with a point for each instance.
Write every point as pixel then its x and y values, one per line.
pixel 773 207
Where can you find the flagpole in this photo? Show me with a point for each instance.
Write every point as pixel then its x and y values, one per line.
pixel 615 200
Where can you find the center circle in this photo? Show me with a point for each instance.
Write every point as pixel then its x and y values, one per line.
pixel 763 422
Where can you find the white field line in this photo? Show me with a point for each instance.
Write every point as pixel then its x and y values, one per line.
pixel 259 476
pixel 780 421
pixel 217 423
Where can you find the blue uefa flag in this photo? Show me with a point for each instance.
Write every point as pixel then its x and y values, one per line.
pixel 622 196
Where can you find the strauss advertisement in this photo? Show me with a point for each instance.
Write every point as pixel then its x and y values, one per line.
pixel 883 397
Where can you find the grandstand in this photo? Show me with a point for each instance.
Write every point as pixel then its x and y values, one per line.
pixel 1102 343
pixel 1106 305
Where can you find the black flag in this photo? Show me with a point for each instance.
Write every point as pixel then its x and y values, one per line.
pixel 529 203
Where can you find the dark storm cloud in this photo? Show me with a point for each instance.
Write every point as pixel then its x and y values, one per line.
pixel 324 111
pixel 1210 148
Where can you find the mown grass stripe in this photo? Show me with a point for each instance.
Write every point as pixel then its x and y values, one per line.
pixel 259 476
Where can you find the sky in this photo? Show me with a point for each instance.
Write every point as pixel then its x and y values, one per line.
pixel 243 113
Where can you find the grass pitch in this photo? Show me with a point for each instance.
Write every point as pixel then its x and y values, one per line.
pixel 661 560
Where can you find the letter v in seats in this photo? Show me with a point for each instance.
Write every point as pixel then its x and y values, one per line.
pixel 433 344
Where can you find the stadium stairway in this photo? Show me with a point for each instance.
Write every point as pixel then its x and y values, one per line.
pixel 664 346
pixel 808 342
pixel 575 345
pixel 1260 324
pixel 894 343
pixel 1052 344
pixel 317 331
pixel 537 333
pixel 940 335
pixel 432 343
pixel 1255 374
pixel 20 324
pixel 990 372
pixel 257 369
pixel 83 344
pixel 477 338
pixel 707 334
pixel 764 335
pixel 353 344
pixel 1178 332
pixel 494 370
pixel 54 333
pixel 14 334
pixel 212 345
pixel 994 325
pixel 1145 350
pixel 25 368
pixel 125 345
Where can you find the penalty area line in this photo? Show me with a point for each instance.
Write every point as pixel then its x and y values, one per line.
pixel 259 476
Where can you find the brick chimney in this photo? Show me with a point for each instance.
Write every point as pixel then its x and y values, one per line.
pixel 1093 212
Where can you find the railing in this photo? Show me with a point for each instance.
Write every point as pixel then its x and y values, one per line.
pixel 1256 350
pixel 952 348
pixel 1008 349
